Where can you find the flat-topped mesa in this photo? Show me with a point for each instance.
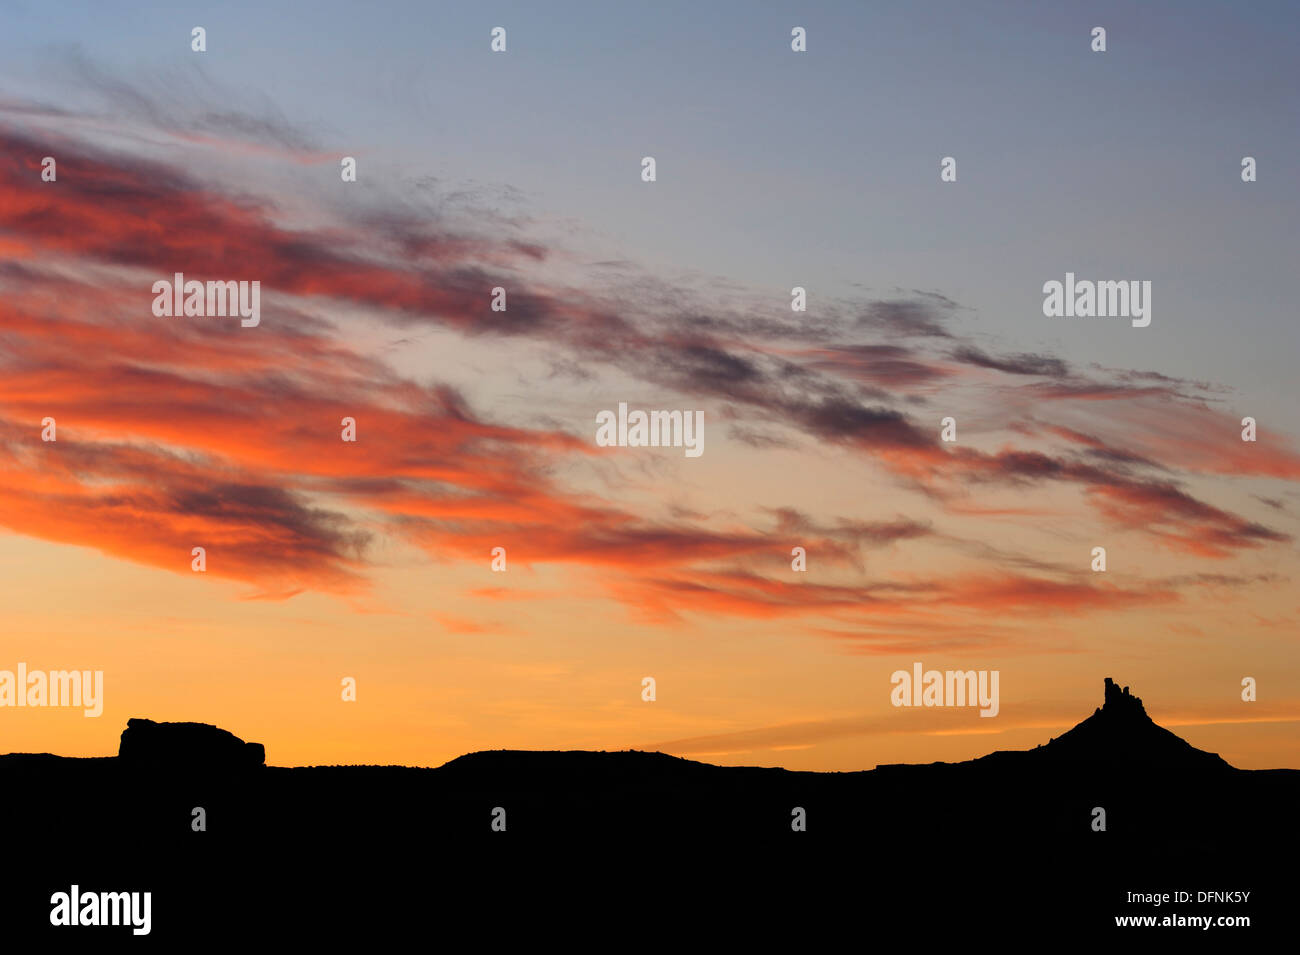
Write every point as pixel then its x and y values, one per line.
pixel 192 746
pixel 1120 703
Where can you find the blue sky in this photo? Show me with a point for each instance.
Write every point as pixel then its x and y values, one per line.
pixel 818 169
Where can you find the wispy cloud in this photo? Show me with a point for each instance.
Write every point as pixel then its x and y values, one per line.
pixel 173 433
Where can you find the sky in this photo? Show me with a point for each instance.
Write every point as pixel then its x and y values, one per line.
pixel 476 429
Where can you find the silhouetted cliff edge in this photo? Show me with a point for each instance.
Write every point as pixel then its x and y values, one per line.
pixel 1150 782
pixel 192 811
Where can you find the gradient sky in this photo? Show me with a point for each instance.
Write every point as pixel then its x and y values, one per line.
pixel 476 429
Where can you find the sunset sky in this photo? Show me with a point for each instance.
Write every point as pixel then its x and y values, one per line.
pixel 476 429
